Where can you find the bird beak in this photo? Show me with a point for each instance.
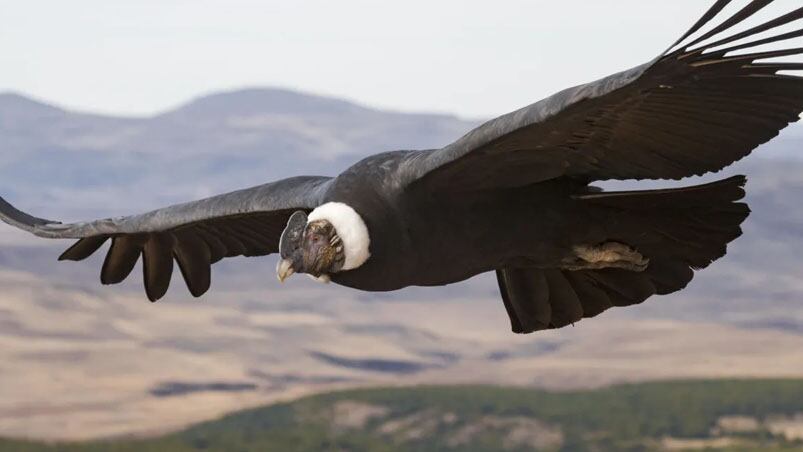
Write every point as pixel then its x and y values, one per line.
pixel 284 269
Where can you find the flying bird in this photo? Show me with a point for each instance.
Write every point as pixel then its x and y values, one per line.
pixel 513 196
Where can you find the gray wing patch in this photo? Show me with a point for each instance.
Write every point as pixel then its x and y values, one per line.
pixel 194 235
pixel 295 192
pixel 20 219
pixel 697 108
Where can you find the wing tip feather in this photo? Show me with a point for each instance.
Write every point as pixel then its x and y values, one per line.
pixel 19 219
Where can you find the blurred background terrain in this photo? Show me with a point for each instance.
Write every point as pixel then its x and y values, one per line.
pixel 723 415
pixel 95 121
pixel 79 360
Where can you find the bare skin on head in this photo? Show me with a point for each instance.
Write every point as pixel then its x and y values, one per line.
pixel 319 253
pixel 322 249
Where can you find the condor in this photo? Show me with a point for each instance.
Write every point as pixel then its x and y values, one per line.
pixel 512 196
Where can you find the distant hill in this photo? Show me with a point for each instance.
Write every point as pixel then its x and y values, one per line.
pixel 690 415
pixel 263 101
pixel 87 163
pixel 18 109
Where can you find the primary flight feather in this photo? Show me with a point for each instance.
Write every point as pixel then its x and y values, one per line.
pixel 512 196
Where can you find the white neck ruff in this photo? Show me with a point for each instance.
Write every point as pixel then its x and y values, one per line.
pixel 351 229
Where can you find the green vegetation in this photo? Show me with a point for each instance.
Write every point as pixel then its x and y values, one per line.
pixel 634 417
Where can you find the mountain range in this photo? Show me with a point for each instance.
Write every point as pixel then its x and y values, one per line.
pixel 215 143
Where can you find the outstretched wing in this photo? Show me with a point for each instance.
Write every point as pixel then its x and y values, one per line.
pixel 197 234
pixel 698 107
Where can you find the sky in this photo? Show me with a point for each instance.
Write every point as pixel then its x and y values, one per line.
pixel 471 58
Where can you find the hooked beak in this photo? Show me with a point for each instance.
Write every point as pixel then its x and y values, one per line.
pixel 284 269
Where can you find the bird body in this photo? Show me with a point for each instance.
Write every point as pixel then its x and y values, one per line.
pixel 513 196
pixel 425 239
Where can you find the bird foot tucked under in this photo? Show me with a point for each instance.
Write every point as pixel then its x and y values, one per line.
pixel 606 255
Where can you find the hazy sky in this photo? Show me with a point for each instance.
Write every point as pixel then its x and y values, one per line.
pixel 473 58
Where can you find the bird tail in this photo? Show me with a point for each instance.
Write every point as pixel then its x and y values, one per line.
pixel 678 230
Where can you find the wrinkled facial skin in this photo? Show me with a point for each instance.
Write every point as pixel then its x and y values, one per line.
pixel 322 250
pixel 316 249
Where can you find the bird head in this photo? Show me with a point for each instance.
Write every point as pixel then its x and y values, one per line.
pixel 332 238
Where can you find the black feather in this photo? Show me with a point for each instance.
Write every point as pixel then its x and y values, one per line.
pixel 527 296
pixel 83 248
pixel 121 258
pixel 566 306
pixel 194 260
pixel 157 264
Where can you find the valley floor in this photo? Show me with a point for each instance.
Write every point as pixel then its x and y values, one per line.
pixel 726 415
